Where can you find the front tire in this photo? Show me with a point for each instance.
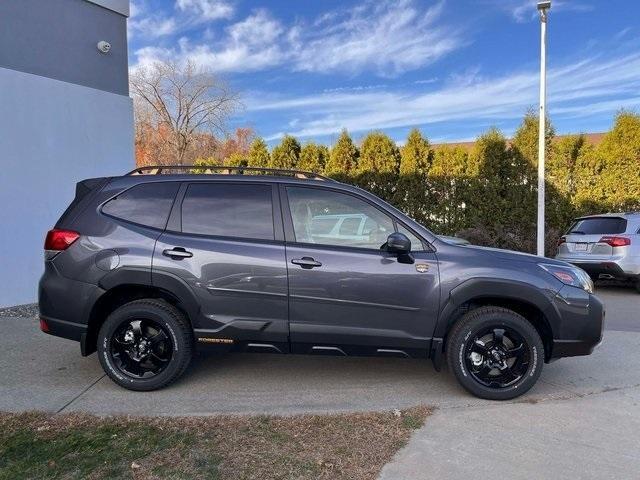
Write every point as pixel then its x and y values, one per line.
pixel 145 345
pixel 495 353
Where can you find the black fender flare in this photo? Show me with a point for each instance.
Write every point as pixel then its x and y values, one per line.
pixel 170 284
pixel 486 287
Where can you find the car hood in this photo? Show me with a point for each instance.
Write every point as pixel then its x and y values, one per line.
pixel 515 256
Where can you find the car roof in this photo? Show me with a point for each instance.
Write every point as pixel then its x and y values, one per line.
pixel 611 215
pixel 194 177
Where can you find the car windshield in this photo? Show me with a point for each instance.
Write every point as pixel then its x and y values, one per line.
pixel 598 226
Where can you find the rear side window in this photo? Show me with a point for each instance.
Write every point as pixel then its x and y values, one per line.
pixel 228 210
pixel 147 204
pixel 599 225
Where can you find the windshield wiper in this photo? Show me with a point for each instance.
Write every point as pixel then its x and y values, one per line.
pixel 577 232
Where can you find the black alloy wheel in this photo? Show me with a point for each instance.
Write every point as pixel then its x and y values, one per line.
pixel 141 348
pixel 495 353
pixel 145 344
pixel 497 357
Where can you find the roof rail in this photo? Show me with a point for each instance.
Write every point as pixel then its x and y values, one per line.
pixel 223 170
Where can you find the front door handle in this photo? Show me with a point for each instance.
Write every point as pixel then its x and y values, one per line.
pixel 177 253
pixel 306 262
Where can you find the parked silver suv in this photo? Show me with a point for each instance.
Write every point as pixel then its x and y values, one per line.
pixel 605 246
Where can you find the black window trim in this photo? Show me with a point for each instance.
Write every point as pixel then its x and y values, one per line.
pixel 174 224
pixel 120 219
pixel 290 233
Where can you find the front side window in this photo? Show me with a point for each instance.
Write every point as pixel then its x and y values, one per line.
pixel 332 218
pixel 147 204
pixel 228 210
pixel 416 243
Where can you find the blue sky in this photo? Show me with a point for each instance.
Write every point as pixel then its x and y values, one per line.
pixel 451 68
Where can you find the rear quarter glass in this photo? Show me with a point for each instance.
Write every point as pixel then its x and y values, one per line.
pixel 146 204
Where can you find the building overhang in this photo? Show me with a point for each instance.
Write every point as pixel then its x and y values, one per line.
pixel 119 6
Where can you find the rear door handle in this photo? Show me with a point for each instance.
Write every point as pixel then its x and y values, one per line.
pixel 177 252
pixel 306 262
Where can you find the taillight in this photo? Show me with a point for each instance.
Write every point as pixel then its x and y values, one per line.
pixel 561 241
pixel 60 239
pixel 616 241
pixel 44 326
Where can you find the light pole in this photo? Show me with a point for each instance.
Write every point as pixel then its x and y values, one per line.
pixel 543 8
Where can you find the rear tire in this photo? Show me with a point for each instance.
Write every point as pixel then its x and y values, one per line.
pixel 495 353
pixel 145 345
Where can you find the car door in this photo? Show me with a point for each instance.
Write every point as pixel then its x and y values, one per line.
pixel 346 295
pixel 225 241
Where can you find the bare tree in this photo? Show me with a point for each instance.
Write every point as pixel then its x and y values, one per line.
pixel 183 101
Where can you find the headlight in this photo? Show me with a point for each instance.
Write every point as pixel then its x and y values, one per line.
pixel 574 276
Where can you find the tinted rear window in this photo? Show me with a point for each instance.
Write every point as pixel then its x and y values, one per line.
pixel 228 210
pixel 147 204
pixel 599 225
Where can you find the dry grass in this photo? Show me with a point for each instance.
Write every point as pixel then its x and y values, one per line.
pixel 345 446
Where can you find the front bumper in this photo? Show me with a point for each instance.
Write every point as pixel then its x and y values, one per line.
pixel 582 326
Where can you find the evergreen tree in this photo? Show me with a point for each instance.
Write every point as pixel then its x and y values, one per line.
pixel 204 162
pixel 609 175
pixel 236 159
pixel 415 154
pixel 562 163
pixel 313 158
pixel 259 153
pixel 524 150
pixel 451 161
pixel 287 154
pixel 492 159
pixel 343 158
pixel 379 154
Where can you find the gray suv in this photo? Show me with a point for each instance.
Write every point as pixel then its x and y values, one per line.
pixel 605 246
pixel 146 267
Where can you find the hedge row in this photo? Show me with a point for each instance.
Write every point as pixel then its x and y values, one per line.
pixel 487 194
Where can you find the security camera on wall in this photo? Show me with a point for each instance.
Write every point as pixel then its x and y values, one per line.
pixel 104 47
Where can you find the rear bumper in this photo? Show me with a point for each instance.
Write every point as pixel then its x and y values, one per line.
pixel 62 328
pixel 620 267
pixel 603 268
pixel 65 305
pixel 582 324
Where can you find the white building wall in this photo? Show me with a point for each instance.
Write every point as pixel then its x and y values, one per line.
pixel 52 134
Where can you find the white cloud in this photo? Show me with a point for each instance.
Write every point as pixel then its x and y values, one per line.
pixel 151 23
pixel 385 36
pixel 250 45
pixel 152 26
pixel 580 89
pixel 206 9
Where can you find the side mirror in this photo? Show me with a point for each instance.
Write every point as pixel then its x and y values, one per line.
pixel 398 243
